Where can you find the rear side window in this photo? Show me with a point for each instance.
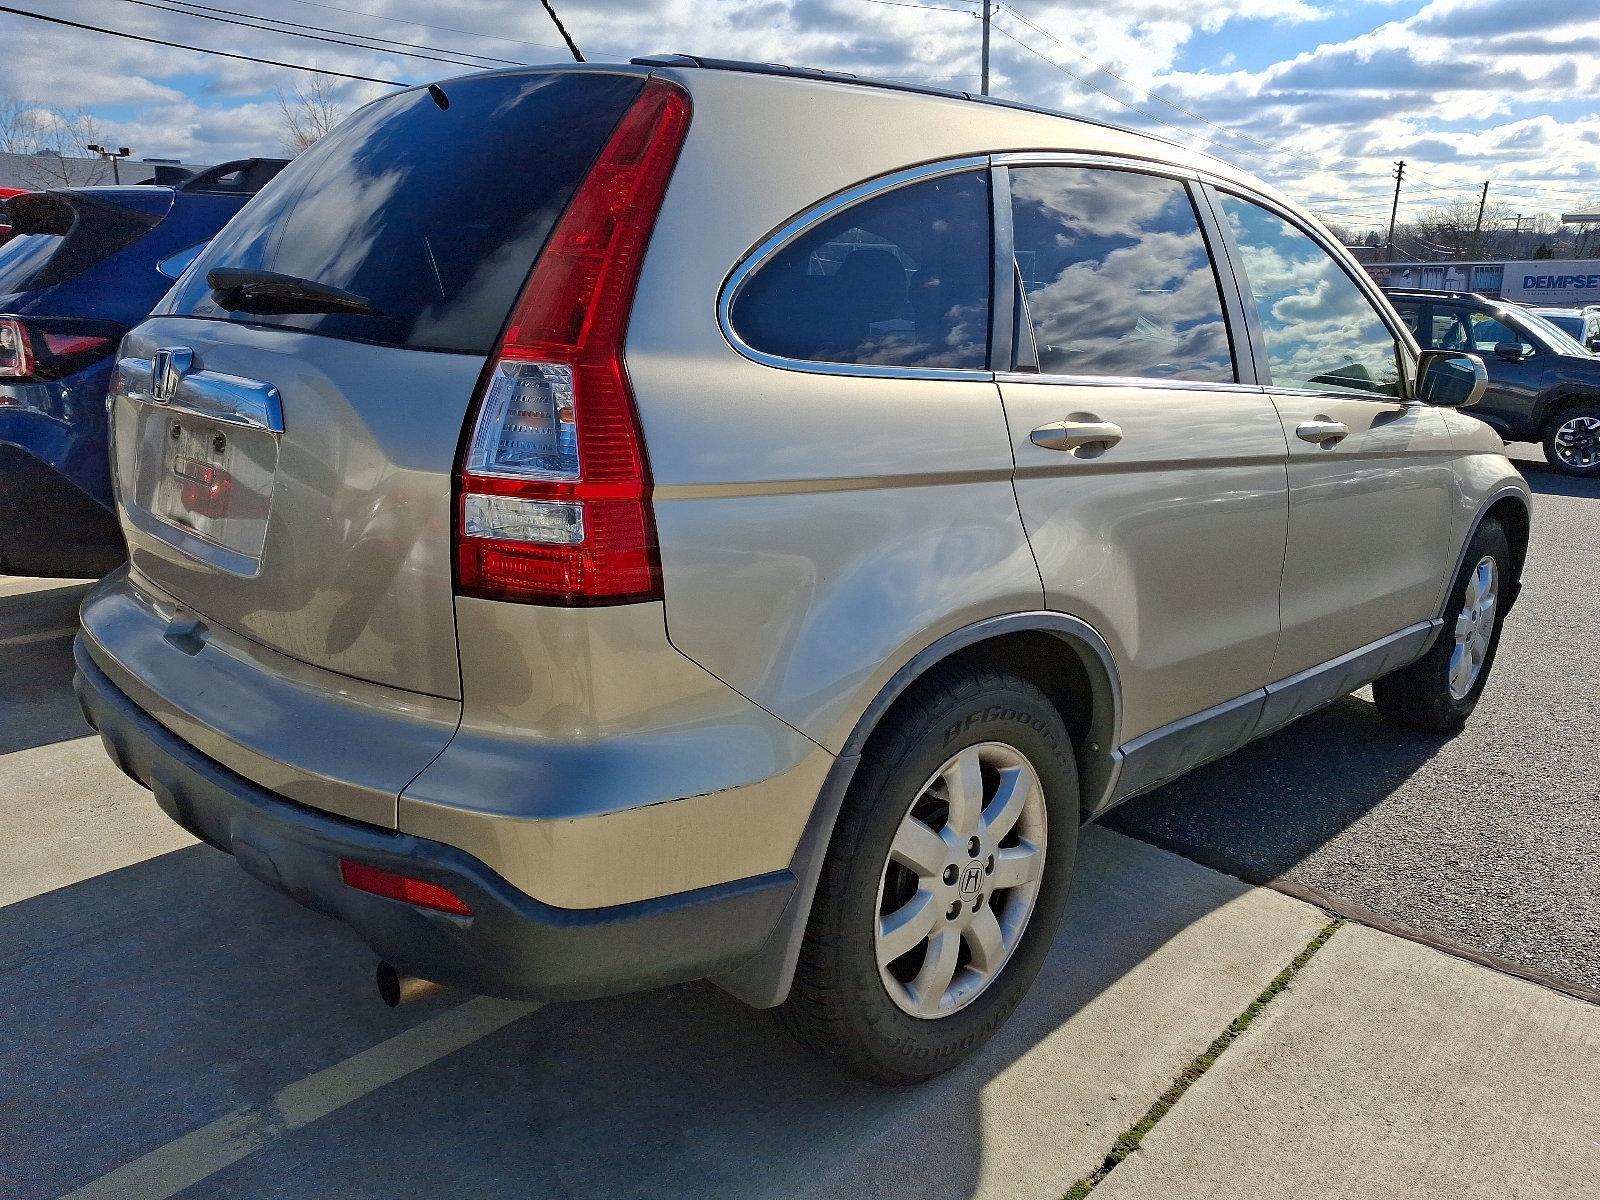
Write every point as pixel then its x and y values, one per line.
pixel 23 257
pixel 899 280
pixel 1116 278
pixel 1322 333
pixel 433 215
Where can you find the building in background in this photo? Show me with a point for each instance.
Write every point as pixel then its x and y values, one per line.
pixel 34 172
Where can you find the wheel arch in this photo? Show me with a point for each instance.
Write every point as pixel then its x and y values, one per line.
pixel 1065 656
pixel 1509 506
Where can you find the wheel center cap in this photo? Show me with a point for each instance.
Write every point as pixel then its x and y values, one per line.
pixel 971 880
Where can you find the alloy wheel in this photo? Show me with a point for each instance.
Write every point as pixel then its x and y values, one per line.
pixel 963 873
pixel 1577 442
pixel 1474 628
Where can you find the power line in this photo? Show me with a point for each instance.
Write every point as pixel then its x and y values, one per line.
pixel 1158 99
pixel 154 41
pixel 1046 59
pixel 355 12
pixel 366 37
pixel 926 7
pixel 206 16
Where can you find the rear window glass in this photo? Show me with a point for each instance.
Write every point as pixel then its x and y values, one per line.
pixel 22 258
pixel 898 280
pixel 434 215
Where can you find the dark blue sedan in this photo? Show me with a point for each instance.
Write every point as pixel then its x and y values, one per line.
pixel 82 267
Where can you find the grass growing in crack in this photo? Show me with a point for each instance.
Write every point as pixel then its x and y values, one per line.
pixel 1129 1141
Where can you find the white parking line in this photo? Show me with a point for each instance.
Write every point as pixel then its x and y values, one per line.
pixel 184 1162
pixel 41 635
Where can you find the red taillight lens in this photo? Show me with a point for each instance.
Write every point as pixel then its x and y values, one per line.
pixel 366 878
pixel 44 348
pixel 554 499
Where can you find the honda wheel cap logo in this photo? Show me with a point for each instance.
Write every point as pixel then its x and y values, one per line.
pixel 167 370
pixel 972 879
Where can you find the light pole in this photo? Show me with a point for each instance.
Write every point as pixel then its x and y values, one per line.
pixel 113 156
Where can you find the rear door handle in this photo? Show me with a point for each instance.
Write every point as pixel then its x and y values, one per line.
pixel 1323 433
pixel 1076 435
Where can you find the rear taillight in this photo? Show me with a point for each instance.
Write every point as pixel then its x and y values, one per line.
pixel 46 348
pixel 553 496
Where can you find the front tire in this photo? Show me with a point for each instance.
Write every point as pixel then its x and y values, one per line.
pixel 1438 692
pixel 945 879
pixel 1572 441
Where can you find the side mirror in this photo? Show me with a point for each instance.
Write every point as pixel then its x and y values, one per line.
pixel 1594 344
pixel 1450 378
pixel 1510 351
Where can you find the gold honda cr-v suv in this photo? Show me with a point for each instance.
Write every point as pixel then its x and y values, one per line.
pixel 595 527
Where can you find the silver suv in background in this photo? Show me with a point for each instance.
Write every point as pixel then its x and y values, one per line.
pixel 596 527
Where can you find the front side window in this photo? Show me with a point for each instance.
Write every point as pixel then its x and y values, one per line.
pixel 1321 331
pixel 1116 277
pixel 1488 332
pixel 899 280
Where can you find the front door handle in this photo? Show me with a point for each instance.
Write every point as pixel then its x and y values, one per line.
pixel 1324 433
pixel 1076 435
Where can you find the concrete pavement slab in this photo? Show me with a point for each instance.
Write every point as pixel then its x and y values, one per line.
pixel 1388 1069
pixel 686 1093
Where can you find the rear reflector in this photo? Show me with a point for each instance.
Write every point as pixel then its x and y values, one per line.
pixel 553 502
pixel 366 878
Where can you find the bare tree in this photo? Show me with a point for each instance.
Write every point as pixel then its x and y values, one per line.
pixel 309 111
pixel 55 141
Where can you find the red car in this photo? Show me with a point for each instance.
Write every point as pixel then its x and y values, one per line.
pixel 5 226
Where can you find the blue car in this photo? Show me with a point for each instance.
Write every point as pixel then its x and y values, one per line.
pixel 84 265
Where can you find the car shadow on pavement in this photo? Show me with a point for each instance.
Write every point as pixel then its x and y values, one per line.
pixel 1545 480
pixel 152 1000
pixel 1269 806
pixel 37 706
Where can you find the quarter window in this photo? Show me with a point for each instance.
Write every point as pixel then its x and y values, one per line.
pixel 1321 331
pixel 1115 276
pixel 899 280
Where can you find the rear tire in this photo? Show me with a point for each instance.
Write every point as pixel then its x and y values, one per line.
pixel 945 879
pixel 1438 692
pixel 1572 441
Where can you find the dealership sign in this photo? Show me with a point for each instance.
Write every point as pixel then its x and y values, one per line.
pixel 1555 283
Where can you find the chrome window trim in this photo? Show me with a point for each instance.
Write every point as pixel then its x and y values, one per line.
pixel 1087 158
pixel 801 223
pixel 1131 381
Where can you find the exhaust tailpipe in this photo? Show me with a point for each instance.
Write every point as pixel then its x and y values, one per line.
pixel 396 989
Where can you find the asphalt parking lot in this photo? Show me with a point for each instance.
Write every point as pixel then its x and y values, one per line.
pixel 172 1026
pixel 1492 839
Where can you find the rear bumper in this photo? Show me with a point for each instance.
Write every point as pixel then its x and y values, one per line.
pixel 48 524
pixel 513 946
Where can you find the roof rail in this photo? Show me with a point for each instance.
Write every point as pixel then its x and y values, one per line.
pixel 756 68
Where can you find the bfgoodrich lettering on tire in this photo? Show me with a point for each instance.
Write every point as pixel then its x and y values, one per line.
pixel 945 879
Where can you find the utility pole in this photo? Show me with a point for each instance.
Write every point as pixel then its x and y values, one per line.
pixel 986 13
pixel 1394 209
pixel 1477 229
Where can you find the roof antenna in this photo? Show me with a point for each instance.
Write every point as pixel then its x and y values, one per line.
pixel 438 95
pixel 577 55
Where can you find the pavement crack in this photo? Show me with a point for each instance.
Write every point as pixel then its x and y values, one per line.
pixel 1130 1140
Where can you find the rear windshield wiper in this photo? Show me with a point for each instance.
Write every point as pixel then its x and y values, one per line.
pixel 268 292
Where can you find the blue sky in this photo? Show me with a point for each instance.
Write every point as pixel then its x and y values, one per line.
pixel 1320 98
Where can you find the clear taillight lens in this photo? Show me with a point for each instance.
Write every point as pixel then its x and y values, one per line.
pixel 527 427
pixel 16 359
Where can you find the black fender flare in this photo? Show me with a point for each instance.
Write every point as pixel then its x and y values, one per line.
pixel 763 981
